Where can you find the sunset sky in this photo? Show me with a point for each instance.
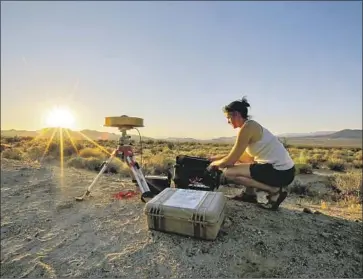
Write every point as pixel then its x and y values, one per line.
pixel 176 64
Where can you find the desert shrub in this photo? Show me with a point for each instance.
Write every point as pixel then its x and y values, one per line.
pixel 35 152
pixel 19 144
pixel 11 139
pixel 91 153
pixel 338 153
pixel 319 158
pixel 5 146
pixel 167 151
pixel 13 154
pixel 159 164
pixel 302 158
pixel 319 151
pixel 358 156
pixel 303 168
pixel 94 164
pixel 326 157
pixel 297 188
pixel 348 185
pixel 76 162
pixel 313 162
pixel 171 145
pixel 358 164
pixel 336 164
pixel 156 150
pixel 201 153
pixel 160 142
pixel 69 150
pixel 317 189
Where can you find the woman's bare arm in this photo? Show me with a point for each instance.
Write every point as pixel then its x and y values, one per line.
pixel 216 157
pixel 245 158
pixel 243 138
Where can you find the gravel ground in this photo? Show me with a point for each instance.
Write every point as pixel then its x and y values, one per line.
pixel 46 233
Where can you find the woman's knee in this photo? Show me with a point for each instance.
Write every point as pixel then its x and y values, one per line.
pixel 242 170
pixel 231 177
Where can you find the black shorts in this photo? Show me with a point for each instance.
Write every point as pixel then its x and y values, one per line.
pixel 267 174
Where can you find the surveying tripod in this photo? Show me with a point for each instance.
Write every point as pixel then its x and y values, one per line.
pixel 124 152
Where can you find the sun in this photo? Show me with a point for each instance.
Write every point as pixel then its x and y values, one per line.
pixel 60 117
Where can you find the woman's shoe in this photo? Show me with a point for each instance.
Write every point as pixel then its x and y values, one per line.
pixel 274 205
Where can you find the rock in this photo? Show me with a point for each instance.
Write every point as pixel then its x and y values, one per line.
pixel 227 223
pixel 325 235
pixel 307 210
pixel 317 212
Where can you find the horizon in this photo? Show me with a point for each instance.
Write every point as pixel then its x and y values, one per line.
pixel 171 62
pixel 292 135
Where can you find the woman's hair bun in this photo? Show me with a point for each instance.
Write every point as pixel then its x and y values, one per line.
pixel 245 102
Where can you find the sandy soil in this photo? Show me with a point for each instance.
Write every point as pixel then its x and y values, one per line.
pixel 46 233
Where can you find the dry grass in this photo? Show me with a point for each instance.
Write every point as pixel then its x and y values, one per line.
pixel 158 156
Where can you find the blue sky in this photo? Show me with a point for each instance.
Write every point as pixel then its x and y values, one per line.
pixel 176 64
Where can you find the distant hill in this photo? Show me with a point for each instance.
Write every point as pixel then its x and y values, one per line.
pixel 343 134
pixel 312 134
pixel 343 138
pixel 215 140
pixel 346 134
pixel 174 139
pixel 76 135
pixel 327 135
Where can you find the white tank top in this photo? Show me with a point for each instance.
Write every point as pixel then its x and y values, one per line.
pixel 270 150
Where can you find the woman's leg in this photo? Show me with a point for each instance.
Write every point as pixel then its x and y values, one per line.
pixel 240 174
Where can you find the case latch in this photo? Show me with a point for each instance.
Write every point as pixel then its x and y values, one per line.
pixel 157 217
pixel 199 223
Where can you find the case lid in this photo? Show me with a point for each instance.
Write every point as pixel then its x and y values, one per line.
pixel 183 204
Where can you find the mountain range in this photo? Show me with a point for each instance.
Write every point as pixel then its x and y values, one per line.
pixel 353 134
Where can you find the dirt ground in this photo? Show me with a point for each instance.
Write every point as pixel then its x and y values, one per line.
pixel 46 233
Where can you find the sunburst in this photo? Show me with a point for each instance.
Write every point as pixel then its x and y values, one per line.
pixel 61 120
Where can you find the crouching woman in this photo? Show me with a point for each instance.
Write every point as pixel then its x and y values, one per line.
pixel 272 168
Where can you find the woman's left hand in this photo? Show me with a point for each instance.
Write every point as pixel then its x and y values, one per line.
pixel 214 165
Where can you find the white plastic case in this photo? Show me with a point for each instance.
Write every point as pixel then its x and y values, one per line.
pixel 194 213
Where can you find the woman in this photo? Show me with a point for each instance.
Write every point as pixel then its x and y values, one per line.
pixel 271 168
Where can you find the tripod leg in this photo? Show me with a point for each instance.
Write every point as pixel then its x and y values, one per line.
pixel 140 178
pixel 88 191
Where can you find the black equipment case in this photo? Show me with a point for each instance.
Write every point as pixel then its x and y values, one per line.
pixel 191 173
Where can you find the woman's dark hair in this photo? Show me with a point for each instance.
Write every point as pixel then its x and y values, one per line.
pixel 240 106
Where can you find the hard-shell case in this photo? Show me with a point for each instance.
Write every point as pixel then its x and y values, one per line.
pixel 194 213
